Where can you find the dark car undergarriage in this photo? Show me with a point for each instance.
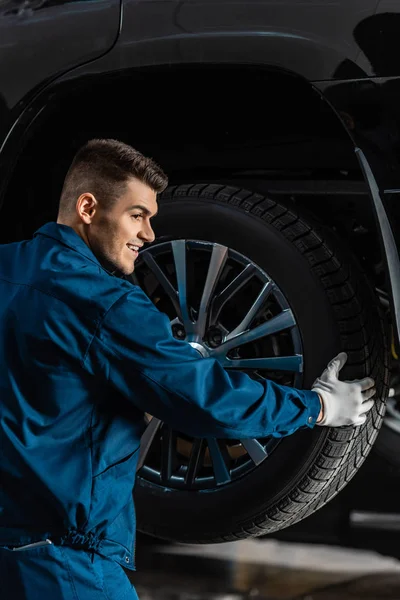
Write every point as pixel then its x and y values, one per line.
pixel 278 124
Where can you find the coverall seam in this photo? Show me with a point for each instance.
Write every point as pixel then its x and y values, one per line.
pixel 34 288
pixel 115 518
pixel 90 432
pixel 66 561
pixel 212 420
pixel 99 580
pixel 99 324
pixel 46 293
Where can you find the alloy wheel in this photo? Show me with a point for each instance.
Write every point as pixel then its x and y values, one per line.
pixel 228 308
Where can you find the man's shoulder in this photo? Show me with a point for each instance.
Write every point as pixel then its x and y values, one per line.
pixel 12 255
pixel 82 284
pixel 62 273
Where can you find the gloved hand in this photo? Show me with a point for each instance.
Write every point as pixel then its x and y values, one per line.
pixel 343 402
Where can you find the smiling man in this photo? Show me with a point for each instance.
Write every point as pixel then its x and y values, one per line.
pixel 83 356
pixel 109 210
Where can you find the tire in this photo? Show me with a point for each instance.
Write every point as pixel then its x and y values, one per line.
pixel 335 309
pixel 388 447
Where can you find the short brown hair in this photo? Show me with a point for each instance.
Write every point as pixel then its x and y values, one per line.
pixel 102 167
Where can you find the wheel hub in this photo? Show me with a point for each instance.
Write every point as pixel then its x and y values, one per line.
pixel 202 350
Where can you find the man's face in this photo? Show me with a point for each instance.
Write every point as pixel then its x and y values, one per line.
pixel 115 235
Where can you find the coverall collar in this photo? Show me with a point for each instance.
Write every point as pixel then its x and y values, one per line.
pixel 67 236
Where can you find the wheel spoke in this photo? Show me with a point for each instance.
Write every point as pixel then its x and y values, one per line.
pixel 168 454
pixel 220 469
pixel 163 281
pixel 217 263
pixel 195 461
pixel 259 301
pixel 231 289
pixel 255 450
pixel 273 363
pixel 147 440
pixel 283 321
pixel 179 252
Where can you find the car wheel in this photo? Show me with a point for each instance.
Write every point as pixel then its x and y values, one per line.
pixel 273 294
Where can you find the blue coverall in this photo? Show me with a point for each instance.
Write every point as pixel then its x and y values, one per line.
pixel 83 355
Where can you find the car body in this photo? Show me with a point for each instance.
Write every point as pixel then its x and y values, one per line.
pixel 298 99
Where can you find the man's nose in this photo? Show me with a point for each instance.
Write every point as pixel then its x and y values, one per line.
pixel 147 234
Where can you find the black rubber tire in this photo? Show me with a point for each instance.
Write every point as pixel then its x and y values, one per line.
pixel 388 446
pixel 335 309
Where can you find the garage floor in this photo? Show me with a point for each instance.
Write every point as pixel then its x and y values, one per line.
pixel 263 570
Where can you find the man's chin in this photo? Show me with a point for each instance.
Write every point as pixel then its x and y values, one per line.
pixel 116 269
pixel 126 270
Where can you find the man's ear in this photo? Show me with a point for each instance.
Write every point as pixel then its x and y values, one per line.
pixel 86 207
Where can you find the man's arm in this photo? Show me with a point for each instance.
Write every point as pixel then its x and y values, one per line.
pixel 136 351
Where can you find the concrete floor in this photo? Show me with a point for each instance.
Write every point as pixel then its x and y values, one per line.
pixel 263 570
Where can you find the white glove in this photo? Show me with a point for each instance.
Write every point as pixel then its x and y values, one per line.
pixel 343 402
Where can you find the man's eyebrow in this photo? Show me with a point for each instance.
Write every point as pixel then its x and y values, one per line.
pixel 142 208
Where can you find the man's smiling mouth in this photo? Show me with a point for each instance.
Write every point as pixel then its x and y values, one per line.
pixel 134 249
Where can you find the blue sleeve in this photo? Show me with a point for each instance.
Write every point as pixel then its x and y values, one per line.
pixel 135 349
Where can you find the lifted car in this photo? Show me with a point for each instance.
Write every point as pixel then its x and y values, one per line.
pixel 277 239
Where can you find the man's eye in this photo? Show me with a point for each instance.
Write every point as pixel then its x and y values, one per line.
pixel 137 216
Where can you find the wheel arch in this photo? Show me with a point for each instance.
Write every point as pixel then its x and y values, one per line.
pixel 270 124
